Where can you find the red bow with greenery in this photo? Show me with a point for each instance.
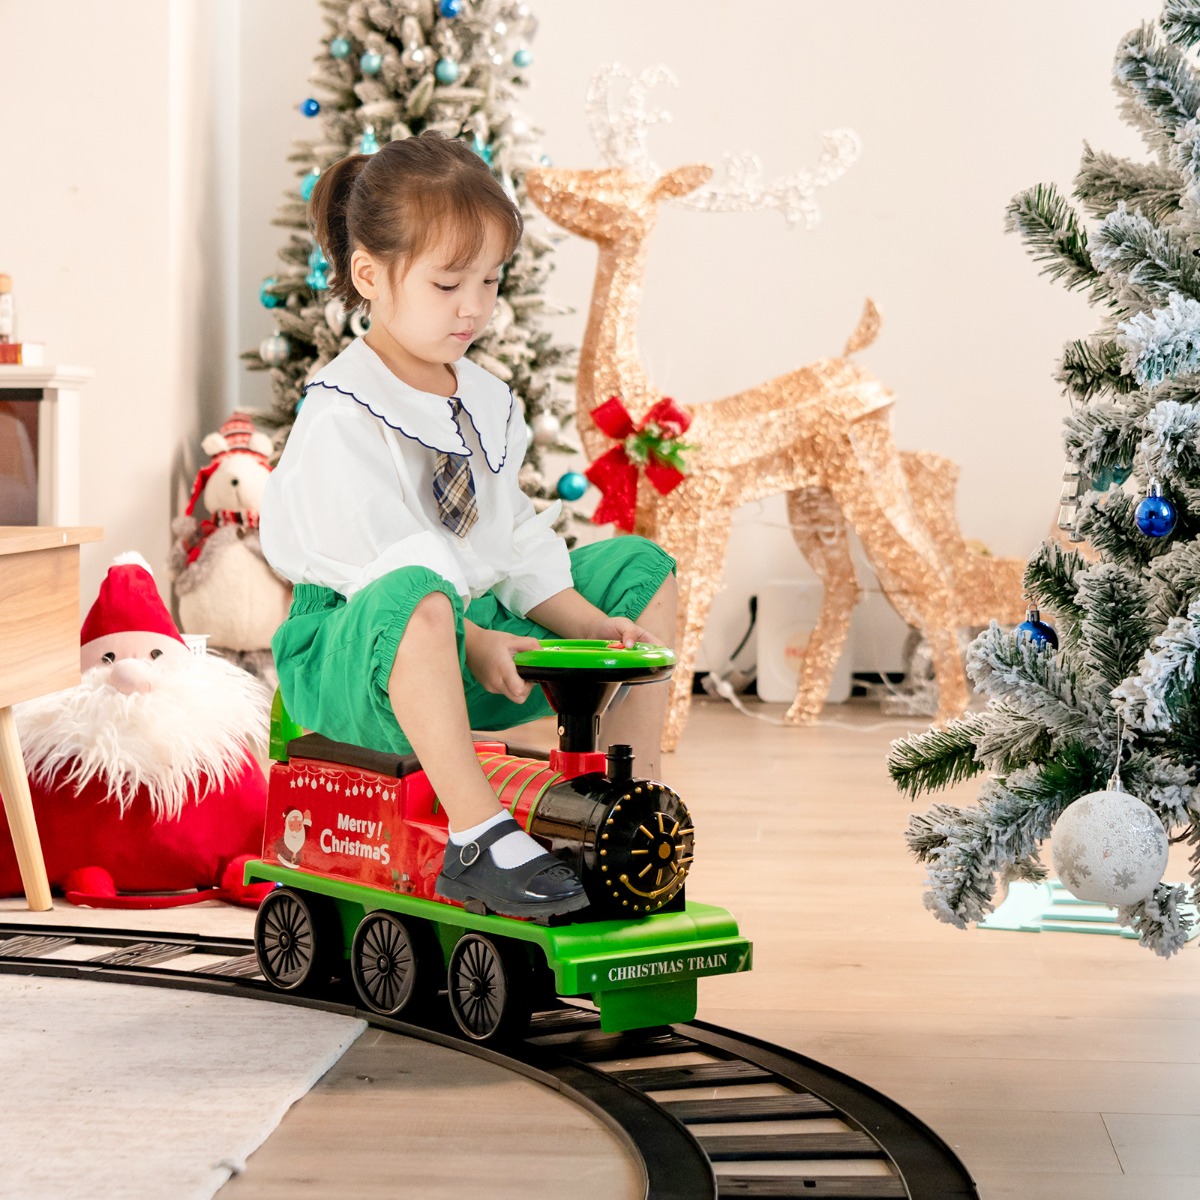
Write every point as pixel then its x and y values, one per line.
pixel 653 447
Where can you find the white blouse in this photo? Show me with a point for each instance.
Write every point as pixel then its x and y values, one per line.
pixel 352 496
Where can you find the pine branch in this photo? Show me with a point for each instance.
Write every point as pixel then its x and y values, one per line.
pixel 1102 434
pixel 1050 581
pixel 936 759
pixel 1164 343
pixel 1174 579
pixel 1159 920
pixel 1151 262
pixel 1180 23
pixel 1165 680
pixel 1091 367
pixel 1009 740
pixel 1159 89
pixel 1052 234
pixel 1006 665
pixel 1105 181
pixel 1109 526
pixel 1115 629
pixel 1169 446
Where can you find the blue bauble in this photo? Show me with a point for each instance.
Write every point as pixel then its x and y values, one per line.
pixel 370 62
pixel 310 107
pixel 308 183
pixel 268 299
pixel 522 58
pixel 572 485
pixel 450 8
pixel 446 70
pixel 368 143
pixel 1155 516
pixel 339 48
pixel 1038 632
pixel 318 267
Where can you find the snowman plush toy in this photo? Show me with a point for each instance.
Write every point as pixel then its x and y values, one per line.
pixel 223 584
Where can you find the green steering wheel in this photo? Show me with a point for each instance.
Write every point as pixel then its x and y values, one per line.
pixel 583 654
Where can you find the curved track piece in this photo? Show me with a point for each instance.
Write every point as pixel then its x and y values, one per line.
pixel 625 1080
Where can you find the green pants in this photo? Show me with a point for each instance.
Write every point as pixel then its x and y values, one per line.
pixel 334 656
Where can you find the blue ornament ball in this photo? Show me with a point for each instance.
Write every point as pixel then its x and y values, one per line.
pixel 310 107
pixel 339 48
pixel 1038 631
pixel 1155 516
pixel 446 70
pixel 572 485
pixel 522 58
pixel 308 183
pixel 370 62
pixel 266 296
pixel 450 8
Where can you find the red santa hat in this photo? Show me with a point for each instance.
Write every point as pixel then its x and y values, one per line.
pixel 237 435
pixel 128 603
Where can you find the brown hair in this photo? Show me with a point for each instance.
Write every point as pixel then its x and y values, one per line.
pixel 404 198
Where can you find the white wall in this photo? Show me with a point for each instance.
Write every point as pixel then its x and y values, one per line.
pixel 111 228
pixel 146 152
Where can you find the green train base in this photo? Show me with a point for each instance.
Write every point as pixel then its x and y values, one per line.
pixel 639 974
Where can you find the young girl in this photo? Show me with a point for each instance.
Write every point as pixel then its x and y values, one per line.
pixel 420 567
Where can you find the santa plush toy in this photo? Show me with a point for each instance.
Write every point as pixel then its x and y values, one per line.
pixel 142 776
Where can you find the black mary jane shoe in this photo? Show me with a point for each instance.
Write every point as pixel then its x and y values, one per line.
pixel 543 887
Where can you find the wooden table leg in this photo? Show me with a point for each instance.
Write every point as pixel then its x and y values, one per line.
pixel 18 808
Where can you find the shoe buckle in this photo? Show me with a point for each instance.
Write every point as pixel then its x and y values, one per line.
pixel 471 848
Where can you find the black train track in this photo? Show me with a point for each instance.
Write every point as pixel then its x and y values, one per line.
pixel 711 1114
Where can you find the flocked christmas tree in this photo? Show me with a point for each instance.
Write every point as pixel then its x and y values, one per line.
pixel 389 69
pixel 1114 708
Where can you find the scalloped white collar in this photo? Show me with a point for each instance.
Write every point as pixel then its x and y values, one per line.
pixel 359 373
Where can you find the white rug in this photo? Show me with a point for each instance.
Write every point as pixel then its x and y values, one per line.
pixel 117 1092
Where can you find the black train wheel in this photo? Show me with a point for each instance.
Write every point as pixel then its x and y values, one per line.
pixel 292 941
pixel 488 988
pixel 388 968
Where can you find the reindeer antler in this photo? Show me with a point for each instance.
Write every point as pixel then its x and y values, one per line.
pixel 621 139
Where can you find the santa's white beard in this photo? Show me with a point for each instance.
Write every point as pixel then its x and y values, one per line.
pixel 293 841
pixel 191 730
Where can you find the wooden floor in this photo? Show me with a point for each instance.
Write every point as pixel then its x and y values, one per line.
pixel 1058 1066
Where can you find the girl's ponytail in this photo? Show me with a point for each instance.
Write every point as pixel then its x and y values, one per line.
pixel 327 216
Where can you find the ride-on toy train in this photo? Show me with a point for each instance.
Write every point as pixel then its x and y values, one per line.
pixel 354 842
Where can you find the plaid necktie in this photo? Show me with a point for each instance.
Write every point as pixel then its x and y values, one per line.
pixel 454 487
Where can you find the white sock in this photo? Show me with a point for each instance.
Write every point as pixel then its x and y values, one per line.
pixel 512 850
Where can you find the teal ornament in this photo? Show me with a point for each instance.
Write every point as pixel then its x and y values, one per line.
pixel 483 149
pixel 446 70
pixel 450 8
pixel 368 143
pixel 571 486
pixel 339 48
pixel 370 62
pixel 522 58
pixel 1037 631
pixel 308 183
pixel 545 160
pixel 310 107
pixel 318 267
pixel 266 296
pixel 1120 474
pixel 1102 480
pixel 275 350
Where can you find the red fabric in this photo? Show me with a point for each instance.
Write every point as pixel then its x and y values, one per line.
pixel 128 602
pixel 616 474
pixel 79 830
pixel 193 544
